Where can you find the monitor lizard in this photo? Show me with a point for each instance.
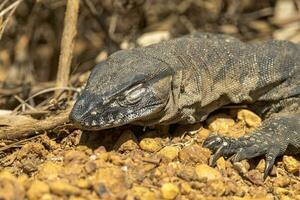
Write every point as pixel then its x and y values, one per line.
pixel 185 79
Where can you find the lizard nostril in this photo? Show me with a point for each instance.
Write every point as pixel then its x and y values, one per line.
pixel 77 112
pixel 74 116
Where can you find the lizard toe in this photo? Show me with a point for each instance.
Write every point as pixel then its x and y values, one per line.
pixel 245 147
pixel 219 153
pixel 213 142
pixel 248 153
pixel 271 155
pixel 221 146
pixel 270 152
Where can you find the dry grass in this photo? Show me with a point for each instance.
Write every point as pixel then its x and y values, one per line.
pixel 7 9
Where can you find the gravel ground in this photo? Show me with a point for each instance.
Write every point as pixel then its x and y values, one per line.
pixel 128 162
pixel 157 163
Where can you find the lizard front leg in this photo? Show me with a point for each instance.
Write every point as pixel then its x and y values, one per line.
pixel 276 136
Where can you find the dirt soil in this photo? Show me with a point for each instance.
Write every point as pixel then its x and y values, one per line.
pixel 130 162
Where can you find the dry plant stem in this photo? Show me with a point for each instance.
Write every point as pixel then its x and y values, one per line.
pixel 43 92
pixel 109 41
pixel 18 143
pixel 11 9
pixel 29 128
pixel 67 44
pixel 3 4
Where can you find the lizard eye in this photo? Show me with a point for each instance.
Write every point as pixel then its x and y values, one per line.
pixel 134 94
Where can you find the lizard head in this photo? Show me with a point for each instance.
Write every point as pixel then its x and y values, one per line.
pixel 126 88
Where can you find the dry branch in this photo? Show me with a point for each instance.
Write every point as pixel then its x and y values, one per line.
pixel 18 126
pixel 67 44
pixel 10 10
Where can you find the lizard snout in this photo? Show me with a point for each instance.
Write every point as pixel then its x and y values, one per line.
pixel 77 113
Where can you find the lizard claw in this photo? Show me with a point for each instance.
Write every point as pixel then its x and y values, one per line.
pixel 213 142
pixel 273 138
pixel 218 154
pixel 270 159
pixel 221 146
pixel 246 147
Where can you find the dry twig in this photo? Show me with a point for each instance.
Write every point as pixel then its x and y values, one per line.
pixel 10 10
pixel 67 44
pixel 27 127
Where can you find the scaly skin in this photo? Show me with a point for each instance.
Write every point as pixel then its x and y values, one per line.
pixel 185 79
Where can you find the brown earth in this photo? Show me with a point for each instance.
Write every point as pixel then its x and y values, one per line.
pixel 127 162
pixel 152 164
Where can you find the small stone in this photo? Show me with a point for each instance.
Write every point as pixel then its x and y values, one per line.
pixel 143 193
pixel 250 118
pixel 203 133
pixel 204 171
pixel 284 10
pixel 291 164
pixel 282 181
pixel 185 188
pixel 110 180
pixel 33 149
pixel 47 197
pixel 260 26
pixel 259 192
pixel 116 159
pixel 83 183
pixel 150 144
pixel 283 193
pixel 23 180
pixel 103 156
pixel 85 149
pixel 126 142
pixel 242 167
pixel 216 187
pixel 29 165
pixel 74 169
pixel 228 29
pixel 127 45
pixel 169 153
pixel 195 153
pixel 221 163
pixel 9 187
pixel 255 177
pixel 90 167
pixel 73 156
pixel 169 191
pixel 77 198
pixel 37 190
pixel 261 166
pixel 187 173
pixel 153 37
pixel 53 145
pixel 63 188
pixel 175 165
pixel 101 56
pixel 220 123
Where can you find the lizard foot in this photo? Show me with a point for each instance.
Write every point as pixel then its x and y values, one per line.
pixel 275 137
pixel 246 147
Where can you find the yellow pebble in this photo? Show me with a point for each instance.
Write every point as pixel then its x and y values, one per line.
pixel 169 191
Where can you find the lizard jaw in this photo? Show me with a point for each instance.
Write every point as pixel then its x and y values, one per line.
pixel 113 119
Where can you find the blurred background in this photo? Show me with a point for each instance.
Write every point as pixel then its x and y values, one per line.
pixel 31 30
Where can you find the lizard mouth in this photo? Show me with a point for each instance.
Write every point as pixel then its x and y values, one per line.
pixel 116 119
